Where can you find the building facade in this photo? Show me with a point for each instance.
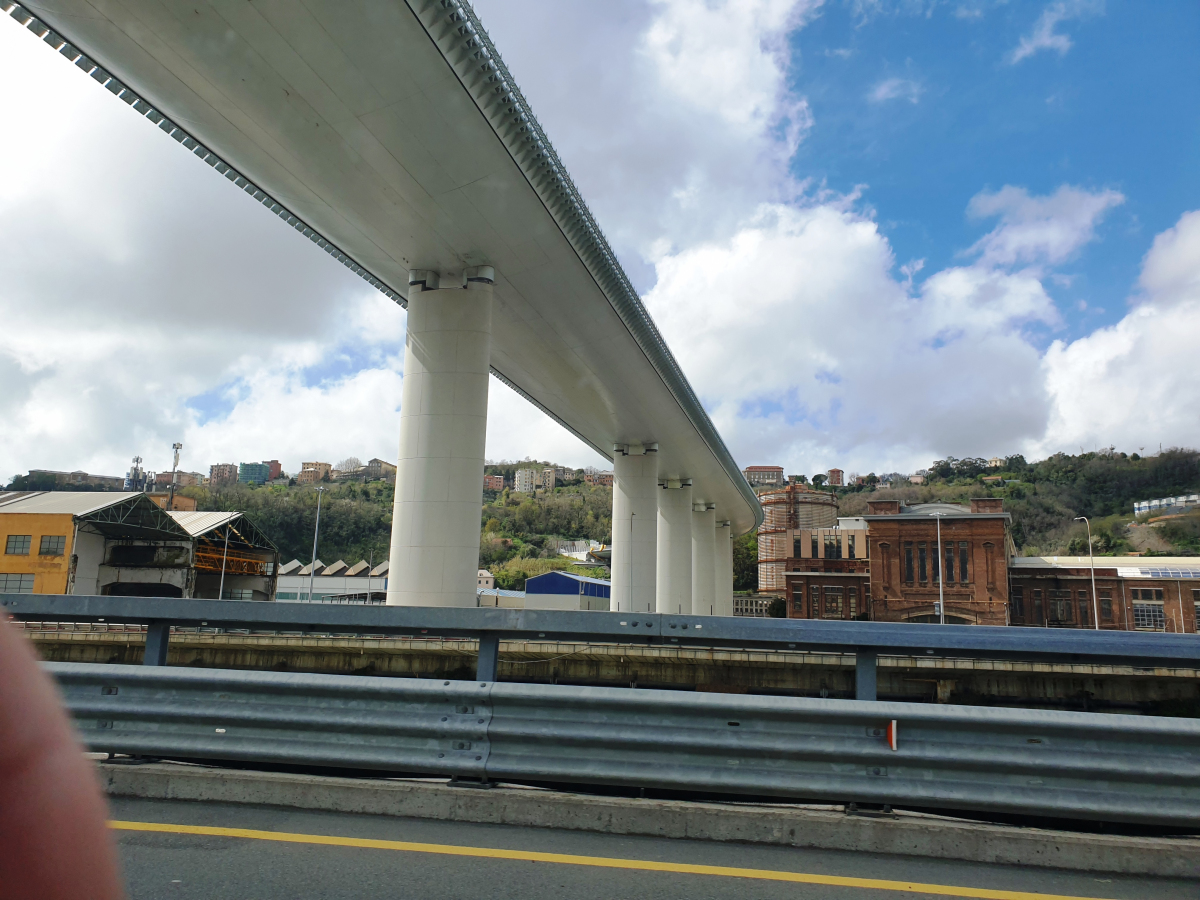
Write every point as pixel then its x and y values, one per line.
pixel 1132 593
pixel 493 482
pixel 380 470
pixel 312 472
pixel 836 478
pixel 223 474
pixel 764 476
pixel 906 567
pixel 253 473
pixel 598 478
pixel 334 583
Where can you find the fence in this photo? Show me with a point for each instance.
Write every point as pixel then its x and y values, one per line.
pixel 864 639
pixel 1063 765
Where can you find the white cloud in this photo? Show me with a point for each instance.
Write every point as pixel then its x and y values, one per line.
pixel 1038 230
pixel 896 89
pixel 1134 384
pixel 809 352
pixel 1044 37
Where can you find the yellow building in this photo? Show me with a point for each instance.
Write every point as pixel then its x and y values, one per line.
pixel 67 542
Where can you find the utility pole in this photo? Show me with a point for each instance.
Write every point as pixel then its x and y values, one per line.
pixel 312 567
pixel 174 466
pixel 1092 566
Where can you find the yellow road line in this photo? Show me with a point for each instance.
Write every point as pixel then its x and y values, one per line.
pixel 943 890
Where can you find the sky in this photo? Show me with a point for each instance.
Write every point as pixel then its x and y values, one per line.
pixel 874 234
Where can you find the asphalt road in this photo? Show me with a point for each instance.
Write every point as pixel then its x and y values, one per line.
pixel 286 853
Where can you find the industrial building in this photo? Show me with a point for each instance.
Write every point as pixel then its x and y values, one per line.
pixel 124 544
pixel 337 582
pixel 562 590
pixel 828 575
pixel 906 568
pixel 786 512
pixel 67 542
pixel 232 559
pixel 1159 593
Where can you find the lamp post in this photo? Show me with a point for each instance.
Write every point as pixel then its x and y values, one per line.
pixel 941 564
pixel 224 557
pixel 312 567
pixel 1092 566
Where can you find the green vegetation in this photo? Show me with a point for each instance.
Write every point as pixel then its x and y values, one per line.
pixel 511 575
pixel 1045 497
pixel 356 519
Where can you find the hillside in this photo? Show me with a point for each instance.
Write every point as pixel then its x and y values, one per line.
pixel 1045 497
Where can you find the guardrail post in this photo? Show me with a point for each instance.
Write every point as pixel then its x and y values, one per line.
pixel 864 675
pixel 489 656
pixel 158 636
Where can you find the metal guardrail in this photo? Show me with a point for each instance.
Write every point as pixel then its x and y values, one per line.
pixel 867 640
pixel 1051 764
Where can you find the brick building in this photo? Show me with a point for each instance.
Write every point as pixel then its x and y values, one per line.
pixel 493 482
pixel 312 472
pixel 836 477
pixel 906 568
pixel 600 478
pixel 828 575
pixel 1132 593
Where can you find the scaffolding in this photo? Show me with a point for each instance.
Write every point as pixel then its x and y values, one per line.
pixel 784 511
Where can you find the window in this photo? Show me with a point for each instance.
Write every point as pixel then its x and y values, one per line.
pixel 1058 609
pixel 238 595
pixel 814 593
pixel 1038 619
pixel 815 554
pixel 1148 615
pixel 1084 608
pixel 937 569
pixel 52 545
pixel 833 602
pixel 949 548
pixel 833 546
pixel 850 546
pixel 18 544
pixel 285 595
pixel 963 554
pixel 922 562
pixel 798 602
pixel 1150 595
pixel 1105 605
pixel 1017 602
pixel 16 584
pixel 908 562
pixel 852 600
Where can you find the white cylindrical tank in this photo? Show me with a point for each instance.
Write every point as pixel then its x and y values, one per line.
pixel 674 577
pixel 443 424
pixel 634 528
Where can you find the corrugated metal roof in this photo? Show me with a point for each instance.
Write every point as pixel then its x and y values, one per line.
pixel 76 503
pixel 198 523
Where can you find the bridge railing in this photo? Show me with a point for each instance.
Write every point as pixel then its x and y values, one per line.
pixel 866 640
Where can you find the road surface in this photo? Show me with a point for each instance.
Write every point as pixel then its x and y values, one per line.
pixel 210 851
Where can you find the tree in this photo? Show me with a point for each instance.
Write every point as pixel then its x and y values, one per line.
pixel 777 608
pixel 745 562
pixel 349 464
pixel 819 479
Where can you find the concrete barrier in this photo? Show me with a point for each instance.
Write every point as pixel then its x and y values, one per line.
pixel 785 825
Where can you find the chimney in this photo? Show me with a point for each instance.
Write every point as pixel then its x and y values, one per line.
pixel 883 507
pixel 987 505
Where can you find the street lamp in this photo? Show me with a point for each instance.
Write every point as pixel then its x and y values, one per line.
pixel 941 566
pixel 1092 566
pixel 312 567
